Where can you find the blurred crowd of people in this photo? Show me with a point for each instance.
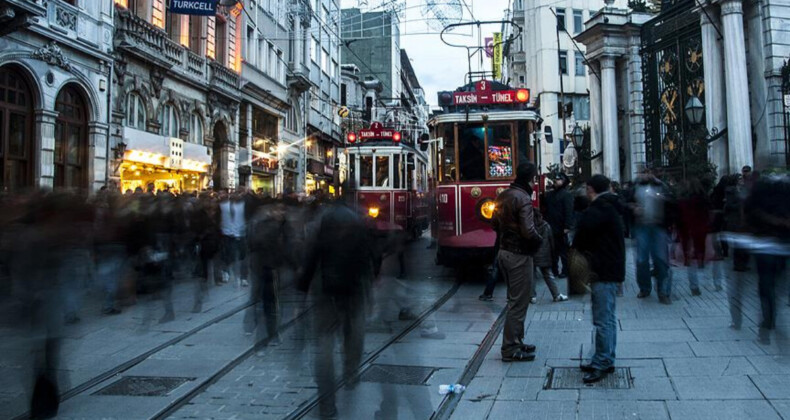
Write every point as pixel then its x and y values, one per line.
pixel 67 255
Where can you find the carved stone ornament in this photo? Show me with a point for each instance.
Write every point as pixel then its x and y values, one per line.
pixel 157 78
pixel 66 18
pixel 53 55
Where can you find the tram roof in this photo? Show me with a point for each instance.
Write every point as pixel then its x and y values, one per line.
pixel 527 115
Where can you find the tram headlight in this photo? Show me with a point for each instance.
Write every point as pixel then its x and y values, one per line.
pixel 373 212
pixel 486 209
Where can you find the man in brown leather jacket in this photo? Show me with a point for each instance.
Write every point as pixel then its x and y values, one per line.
pixel 518 241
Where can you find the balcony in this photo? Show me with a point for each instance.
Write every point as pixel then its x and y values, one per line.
pixel 299 77
pixel 18 14
pixel 224 80
pixel 136 36
pixel 518 57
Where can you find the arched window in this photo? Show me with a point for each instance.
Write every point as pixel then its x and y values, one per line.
pixel 196 128
pixel 71 139
pixel 135 112
pixel 169 120
pixel 16 118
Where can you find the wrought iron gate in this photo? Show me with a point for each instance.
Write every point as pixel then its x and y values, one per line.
pixel 673 78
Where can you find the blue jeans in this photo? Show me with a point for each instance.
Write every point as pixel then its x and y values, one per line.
pixel 605 322
pixel 651 242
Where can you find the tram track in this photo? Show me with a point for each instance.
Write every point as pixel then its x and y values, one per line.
pixel 131 363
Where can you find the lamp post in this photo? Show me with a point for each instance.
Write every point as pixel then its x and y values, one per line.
pixel 577 135
pixel 695 112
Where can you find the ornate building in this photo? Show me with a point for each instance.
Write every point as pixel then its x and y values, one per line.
pixel 176 97
pixel 55 67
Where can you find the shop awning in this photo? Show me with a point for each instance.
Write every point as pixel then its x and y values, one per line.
pixel 173 153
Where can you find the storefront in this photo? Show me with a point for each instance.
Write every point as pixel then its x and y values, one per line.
pixel 264 171
pixel 163 162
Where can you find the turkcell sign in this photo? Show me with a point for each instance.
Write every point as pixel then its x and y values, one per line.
pixel 485 98
pixel 194 7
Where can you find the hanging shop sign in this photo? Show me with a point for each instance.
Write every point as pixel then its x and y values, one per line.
pixel 496 61
pixel 194 7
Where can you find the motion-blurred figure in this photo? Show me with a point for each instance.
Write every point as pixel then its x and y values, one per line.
pixel 650 201
pixel 559 214
pixel 767 216
pixel 232 221
pixel 342 251
pixel 693 226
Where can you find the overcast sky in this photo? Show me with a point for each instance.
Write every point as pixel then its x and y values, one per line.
pixel 438 66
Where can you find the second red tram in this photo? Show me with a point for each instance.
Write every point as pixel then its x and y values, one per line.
pixel 390 178
pixel 484 132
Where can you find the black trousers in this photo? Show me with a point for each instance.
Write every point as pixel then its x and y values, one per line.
pixel 560 253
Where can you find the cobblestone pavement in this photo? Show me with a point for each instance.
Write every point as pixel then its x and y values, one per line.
pixel 684 360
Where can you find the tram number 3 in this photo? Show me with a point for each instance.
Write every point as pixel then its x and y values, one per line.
pixel 443 198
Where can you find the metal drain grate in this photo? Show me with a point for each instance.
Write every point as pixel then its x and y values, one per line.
pixel 397 374
pixel 571 378
pixel 143 386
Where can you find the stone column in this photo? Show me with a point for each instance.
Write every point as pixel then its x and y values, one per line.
pixel 248 128
pixel 44 155
pixel 97 155
pixel 715 103
pixel 593 74
pixel 739 122
pixel 636 113
pixel 611 144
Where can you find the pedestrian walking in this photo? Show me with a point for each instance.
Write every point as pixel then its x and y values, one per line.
pixel 233 226
pixel 599 237
pixel 651 198
pixel 693 226
pixel 559 214
pixel 342 251
pixel 543 261
pixel 514 222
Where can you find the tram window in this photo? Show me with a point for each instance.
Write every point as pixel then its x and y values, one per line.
pixel 500 151
pixel 471 152
pixel 352 166
pixel 366 171
pixel 397 172
pixel 448 153
pixel 523 143
pixel 383 171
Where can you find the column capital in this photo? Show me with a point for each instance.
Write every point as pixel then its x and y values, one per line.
pixel 45 115
pixel 729 7
pixel 606 62
pixel 709 16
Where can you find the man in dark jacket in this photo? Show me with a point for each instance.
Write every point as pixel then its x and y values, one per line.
pixel 600 238
pixel 518 241
pixel 559 214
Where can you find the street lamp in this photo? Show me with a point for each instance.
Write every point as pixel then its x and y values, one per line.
pixel 577 135
pixel 694 110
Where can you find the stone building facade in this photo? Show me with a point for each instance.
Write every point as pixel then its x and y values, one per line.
pixel 55 69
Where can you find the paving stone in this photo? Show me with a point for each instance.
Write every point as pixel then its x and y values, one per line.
pixel 726 348
pixel 622 410
pixel 645 389
pixel 522 389
pixel 712 388
pixel 724 333
pixel 558 395
pixel 771 365
pixel 481 388
pixel 655 336
pixel 709 366
pixel 528 369
pixel 535 410
pixel 773 386
pixel 713 322
pixel 652 324
pixel 653 350
pixel 467 409
pixel 783 407
pixel 643 368
pixel 722 410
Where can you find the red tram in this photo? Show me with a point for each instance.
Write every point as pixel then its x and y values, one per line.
pixel 391 180
pixel 484 131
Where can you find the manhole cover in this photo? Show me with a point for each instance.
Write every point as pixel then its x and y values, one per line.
pixel 397 374
pixel 143 386
pixel 571 378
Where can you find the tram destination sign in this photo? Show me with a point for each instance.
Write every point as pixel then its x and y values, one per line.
pixel 483 95
pixel 377 131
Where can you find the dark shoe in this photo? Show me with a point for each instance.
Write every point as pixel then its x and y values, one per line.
pixel 590 368
pixel 666 300
pixel 486 298
pixel 71 319
pixel 529 348
pixel 596 375
pixel 643 295
pixel 519 356
pixel 327 411
pixel 275 341
pixel 406 315
pixel 695 292
pixel 562 276
pixel 167 318
pixel 110 311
